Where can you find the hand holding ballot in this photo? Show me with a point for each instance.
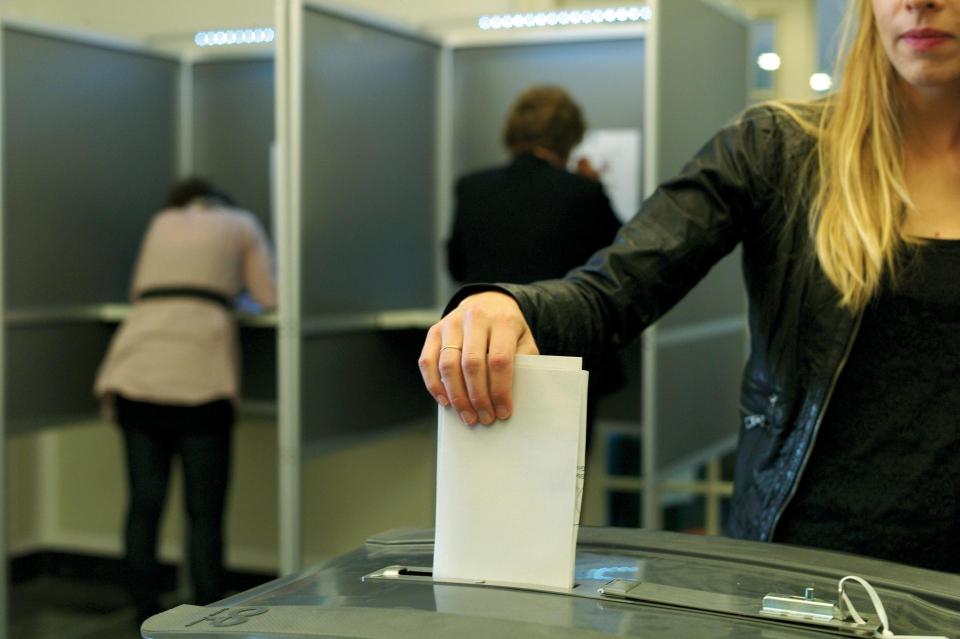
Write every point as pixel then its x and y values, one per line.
pixel 467 360
pixel 508 496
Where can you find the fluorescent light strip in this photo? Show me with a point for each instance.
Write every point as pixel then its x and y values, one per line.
pixel 226 37
pixel 564 18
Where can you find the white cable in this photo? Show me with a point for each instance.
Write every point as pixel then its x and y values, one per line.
pixel 884 632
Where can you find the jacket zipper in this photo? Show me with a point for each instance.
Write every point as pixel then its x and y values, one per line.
pixel 816 427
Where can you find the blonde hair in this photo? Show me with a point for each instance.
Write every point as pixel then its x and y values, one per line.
pixel 857 211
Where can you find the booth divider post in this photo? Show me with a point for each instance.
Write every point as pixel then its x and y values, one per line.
pixel 650 500
pixel 288 74
pixel 185 120
pixel 4 565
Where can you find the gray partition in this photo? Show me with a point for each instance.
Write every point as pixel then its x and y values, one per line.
pixel 695 355
pixel 370 382
pixel 258 384
pixel 89 151
pixel 368 165
pixel 233 129
pixel 50 372
pixel 699 90
pixel 703 408
pixel 367 218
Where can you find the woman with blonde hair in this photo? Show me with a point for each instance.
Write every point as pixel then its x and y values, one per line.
pixel 850 433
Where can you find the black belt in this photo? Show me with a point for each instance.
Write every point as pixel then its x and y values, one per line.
pixel 186 291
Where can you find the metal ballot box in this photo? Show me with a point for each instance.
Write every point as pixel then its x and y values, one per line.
pixel 628 583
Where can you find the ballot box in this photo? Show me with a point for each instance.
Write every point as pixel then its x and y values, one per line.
pixel 628 583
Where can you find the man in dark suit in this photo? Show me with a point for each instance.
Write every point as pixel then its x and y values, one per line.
pixel 532 219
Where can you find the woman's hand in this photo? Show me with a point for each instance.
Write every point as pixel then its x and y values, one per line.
pixel 467 358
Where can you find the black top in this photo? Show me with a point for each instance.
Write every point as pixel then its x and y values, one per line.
pixel 526 221
pixel 883 479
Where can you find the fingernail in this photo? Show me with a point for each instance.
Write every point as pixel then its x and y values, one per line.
pixel 502 413
pixel 442 401
pixel 467 418
pixel 485 417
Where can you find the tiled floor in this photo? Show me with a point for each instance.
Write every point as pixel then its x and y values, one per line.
pixel 64 608
pixel 84 600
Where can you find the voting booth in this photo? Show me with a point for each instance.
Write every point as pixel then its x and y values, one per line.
pixel 94 132
pixel 81 177
pixel 640 85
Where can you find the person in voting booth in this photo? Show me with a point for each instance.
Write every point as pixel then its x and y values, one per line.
pixel 172 374
pixel 532 219
pixel 847 210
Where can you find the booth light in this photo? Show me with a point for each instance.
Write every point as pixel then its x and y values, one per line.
pixel 563 18
pixel 234 36
pixel 821 82
pixel 768 61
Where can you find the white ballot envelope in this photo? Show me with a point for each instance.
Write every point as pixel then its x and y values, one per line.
pixel 508 495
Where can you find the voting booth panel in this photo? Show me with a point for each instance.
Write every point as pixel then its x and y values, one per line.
pixel 369 117
pixel 258 382
pixel 699 90
pixel 89 152
pixel 605 77
pixel 233 130
pixel 697 400
pixel 50 371
pixel 361 383
pixel 367 230
pixel 232 123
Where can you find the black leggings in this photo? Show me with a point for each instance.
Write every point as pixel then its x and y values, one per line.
pixel 201 436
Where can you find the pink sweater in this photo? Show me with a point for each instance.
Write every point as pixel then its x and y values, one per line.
pixel 185 350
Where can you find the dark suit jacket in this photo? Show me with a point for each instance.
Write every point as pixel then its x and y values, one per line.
pixel 526 221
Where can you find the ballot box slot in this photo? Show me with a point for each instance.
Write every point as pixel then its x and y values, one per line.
pixel 422 574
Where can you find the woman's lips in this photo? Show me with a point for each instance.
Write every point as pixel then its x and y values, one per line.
pixel 925 39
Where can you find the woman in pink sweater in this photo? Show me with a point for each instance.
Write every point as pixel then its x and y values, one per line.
pixel 172 373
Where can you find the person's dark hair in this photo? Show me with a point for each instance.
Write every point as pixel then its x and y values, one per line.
pixel 195 188
pixel 544 116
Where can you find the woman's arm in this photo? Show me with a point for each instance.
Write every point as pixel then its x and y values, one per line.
pixel 257 268
pixel 682 230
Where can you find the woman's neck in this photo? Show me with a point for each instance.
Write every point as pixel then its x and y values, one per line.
pixel 931 119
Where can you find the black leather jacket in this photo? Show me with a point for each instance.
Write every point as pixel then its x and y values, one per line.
pixel 741 188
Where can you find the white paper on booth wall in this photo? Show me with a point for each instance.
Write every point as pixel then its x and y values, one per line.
pixel 508 495
pixel 615 155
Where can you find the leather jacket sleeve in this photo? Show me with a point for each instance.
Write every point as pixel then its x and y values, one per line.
pixel 687 225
